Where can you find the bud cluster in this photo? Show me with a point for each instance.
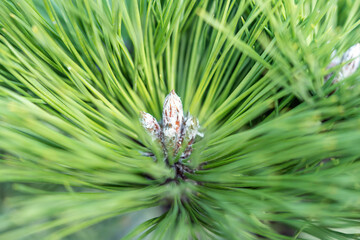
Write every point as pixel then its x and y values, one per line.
pixel 175 129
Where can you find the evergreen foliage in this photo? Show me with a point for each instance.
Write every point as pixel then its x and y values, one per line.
pixel 279 158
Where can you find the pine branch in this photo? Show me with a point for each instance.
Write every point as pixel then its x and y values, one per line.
pixel 279 156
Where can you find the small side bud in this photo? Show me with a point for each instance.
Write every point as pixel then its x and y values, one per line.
pixel 172 121
pixel 151 125
pixel 191 130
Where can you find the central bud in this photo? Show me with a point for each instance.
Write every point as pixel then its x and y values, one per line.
pixel 174 130
pixel 172 123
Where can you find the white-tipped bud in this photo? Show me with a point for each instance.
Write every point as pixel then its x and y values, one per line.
pixel 335 61
pixel 172 121
pixel 151 125
pixel 353 54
